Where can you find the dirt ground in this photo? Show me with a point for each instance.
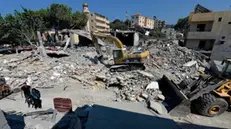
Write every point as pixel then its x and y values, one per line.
pixel 81 95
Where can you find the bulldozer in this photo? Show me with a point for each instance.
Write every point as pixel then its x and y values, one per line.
pixel 123 60
pixel 209 95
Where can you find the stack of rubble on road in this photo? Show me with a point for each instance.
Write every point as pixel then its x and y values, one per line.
pixel 178 63
pixel 132 85
pixel 48 72
pixel 166 58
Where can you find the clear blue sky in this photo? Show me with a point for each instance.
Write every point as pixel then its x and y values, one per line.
pixel 169 10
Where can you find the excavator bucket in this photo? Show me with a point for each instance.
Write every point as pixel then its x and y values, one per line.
pixel 176 101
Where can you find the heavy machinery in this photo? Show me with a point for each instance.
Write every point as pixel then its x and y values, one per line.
pixel 210 95
pixel 123 60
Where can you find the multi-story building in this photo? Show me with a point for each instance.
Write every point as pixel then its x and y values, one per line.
pixel 210 33
pixel 96 22
pixel 158 24
pixel 142 21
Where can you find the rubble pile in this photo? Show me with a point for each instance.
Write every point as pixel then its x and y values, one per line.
pixel 178 63
pixel 131 85
pixel 166 58
pixel 48 72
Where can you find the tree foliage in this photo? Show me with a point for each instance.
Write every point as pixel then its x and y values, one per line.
pixel 157 34
pixel 21 26
pixel 182 24
pixel 118 24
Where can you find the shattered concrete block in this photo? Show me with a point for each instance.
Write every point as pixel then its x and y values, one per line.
pixel 161 97
pixel 139 99
pixel 158 107
pixel 145 96
pixel 149 75
pixel 153 85
pixel 101 77
pixel 190 63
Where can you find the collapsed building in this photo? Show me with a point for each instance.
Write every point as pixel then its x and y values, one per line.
pixel 209 32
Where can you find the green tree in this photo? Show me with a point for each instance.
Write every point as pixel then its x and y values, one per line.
pixel 157 34
pixel 59 16
pixel 118 24
pixel 79 20
pixel 182 24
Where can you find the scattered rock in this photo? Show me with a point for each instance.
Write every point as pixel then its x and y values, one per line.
pixel 153 85
pixel 158 107
pixel 139 99
pixel 161 97
pixel 145 96
pixel 190 63
pixel 146 74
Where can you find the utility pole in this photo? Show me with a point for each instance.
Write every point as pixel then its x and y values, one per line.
pixel 127 18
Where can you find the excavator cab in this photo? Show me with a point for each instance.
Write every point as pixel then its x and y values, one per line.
pixel 226 70
pixel 119 55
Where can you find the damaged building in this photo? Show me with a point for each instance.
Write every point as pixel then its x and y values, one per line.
pixel 209 32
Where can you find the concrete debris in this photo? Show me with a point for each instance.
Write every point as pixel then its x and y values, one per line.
pixel 158 107
pixel 153 85
pixel 81 66
pixel 161 97
pixel 145 74
pixel 145 96
pixel 190 63
pixel 170 59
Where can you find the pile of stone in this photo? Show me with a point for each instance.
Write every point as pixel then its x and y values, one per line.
pixel 178 63
pixel 132 85
pixel 48 72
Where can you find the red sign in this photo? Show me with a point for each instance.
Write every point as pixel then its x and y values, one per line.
pixel 62 104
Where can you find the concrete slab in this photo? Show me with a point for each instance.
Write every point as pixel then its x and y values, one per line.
pixel 126 116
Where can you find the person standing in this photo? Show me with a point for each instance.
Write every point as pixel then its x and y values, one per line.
pixel 26 90
pixel 35 94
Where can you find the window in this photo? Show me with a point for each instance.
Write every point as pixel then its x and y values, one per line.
pixel 229 23
pixel 201 27
pixel 219 19
pixel 223 37
pixel 202 44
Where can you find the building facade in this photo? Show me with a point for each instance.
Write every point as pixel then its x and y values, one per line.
pixel 169 32
pixel 96 22
pixel 159 24
pixel 210 33
pixel 142 21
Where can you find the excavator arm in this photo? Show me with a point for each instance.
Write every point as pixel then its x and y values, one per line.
pixel 107 38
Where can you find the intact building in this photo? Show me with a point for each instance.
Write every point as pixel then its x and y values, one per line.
pixel 142 21
pixel 210 33
pixel 96 22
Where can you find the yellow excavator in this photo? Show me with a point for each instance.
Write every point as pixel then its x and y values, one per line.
pixel 209 95
pixel 123 60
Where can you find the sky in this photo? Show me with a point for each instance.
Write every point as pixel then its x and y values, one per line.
pixel 169 10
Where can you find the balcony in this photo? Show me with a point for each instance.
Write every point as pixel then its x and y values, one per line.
pixel 101 24
pixel 100 18
pixel 201 35
pixel 107 22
